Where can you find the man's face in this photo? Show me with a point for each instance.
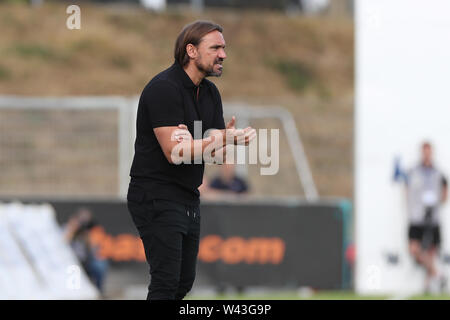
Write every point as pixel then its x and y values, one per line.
pixel 426 154
pixel 211 53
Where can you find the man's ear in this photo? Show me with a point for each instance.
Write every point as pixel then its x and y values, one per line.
pixel 191 50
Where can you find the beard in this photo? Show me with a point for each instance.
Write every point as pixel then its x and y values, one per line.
pixel 208 70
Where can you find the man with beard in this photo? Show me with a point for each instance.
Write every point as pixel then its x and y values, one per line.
pixel 163 196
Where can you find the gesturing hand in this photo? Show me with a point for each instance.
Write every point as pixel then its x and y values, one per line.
pixel 230 124
pixel 238 136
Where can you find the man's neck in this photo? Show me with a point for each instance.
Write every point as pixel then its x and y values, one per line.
pixel 427 164
pixel 193 73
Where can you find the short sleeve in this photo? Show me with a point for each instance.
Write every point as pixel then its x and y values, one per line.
pixel 444 182
pixel 164 104
pixel 219 122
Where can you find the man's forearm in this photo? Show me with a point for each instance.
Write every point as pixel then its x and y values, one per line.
pixel 192 150
pixel 205 149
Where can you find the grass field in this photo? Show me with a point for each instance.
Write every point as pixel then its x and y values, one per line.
pixel 321 295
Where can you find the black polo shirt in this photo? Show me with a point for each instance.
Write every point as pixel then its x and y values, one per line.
pixel 170 99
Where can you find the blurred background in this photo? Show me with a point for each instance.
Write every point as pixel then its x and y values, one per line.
pixel 67 114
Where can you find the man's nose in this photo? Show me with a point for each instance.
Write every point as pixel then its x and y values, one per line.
pixel 222 54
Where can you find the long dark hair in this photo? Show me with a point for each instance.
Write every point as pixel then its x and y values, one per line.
pixel 192 33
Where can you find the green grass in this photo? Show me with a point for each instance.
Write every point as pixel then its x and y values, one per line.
pixel 297 75
pixel 320 295
pixel 5 73
pixel 430 297
pixel 30 50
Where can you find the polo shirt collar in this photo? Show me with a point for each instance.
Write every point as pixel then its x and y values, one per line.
pixel 185 79
pixel 431 166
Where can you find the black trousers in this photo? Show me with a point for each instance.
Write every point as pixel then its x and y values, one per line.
pixel 170 232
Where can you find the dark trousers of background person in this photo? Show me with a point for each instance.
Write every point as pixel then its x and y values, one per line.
pixel 170 232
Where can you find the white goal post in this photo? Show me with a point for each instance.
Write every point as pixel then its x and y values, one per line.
pixel 123 111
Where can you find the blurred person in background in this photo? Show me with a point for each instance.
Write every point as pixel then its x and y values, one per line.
pixel 77 233
pixel 426 191
pixel 228 181
pixel 163 197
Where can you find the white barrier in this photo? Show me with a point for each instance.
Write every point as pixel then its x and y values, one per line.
pixel 17 278
pixel 35 260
